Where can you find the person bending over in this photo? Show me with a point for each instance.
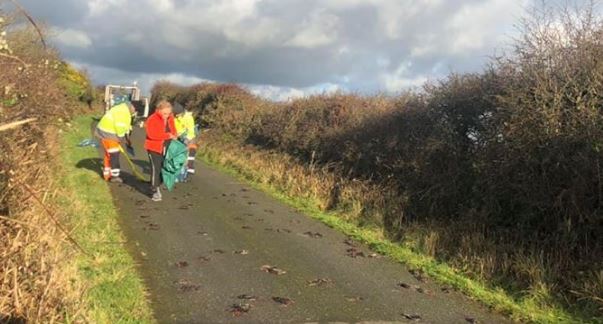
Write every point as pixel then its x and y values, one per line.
pixel 113 130
pixel 161 130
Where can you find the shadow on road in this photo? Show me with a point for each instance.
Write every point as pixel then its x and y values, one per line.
pixel 96 164
pixel 145 166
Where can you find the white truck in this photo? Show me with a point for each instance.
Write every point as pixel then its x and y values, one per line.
pixel 132 93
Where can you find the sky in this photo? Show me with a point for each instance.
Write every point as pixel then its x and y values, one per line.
pixel 280 48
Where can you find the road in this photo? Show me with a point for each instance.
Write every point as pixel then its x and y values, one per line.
pixel 206 250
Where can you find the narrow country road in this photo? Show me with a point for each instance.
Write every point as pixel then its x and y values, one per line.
pixel 202 250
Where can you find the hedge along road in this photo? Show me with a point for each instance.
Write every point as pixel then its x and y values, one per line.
pixel 215 250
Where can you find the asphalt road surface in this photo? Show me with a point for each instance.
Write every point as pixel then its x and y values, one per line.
pixel 217 251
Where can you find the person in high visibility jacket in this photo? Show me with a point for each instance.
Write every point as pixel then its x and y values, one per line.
pixel 113 130
pixel 185 128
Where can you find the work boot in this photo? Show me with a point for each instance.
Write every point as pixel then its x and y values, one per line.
pixel 116 180
pixel 156 195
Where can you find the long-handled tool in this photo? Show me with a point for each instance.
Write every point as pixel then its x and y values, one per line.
pixel 137 173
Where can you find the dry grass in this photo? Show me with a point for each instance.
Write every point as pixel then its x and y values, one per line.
pixel 39 283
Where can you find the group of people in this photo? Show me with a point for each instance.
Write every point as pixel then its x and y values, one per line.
pixel 168 123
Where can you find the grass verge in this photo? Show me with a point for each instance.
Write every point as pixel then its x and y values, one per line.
pixel 115 292
pixel 236 162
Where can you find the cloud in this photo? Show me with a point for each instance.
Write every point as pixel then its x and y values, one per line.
pixel 474 25
pixel 72 38
pixel 145 81
pixel 60 13
pixel 358 45
pixel 318 30
pixel 402 78
pixel 104 75
pixel 288 93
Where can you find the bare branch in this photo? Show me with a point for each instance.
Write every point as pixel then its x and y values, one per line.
pixel 12 57
pixel 31 20
pixel 16 124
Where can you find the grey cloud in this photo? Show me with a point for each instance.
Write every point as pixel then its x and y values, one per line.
pixel 60 13
pixel 356 44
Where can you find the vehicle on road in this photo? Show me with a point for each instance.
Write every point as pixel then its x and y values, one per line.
pixel 114 94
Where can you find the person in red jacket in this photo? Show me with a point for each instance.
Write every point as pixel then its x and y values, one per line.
pixel 161 130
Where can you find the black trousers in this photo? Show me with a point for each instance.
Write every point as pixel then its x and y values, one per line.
pixel 156 160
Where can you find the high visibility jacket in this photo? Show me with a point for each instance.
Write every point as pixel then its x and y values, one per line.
pixel 117 121
pixel 185 125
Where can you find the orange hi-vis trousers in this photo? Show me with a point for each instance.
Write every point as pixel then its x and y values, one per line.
pixel 111 161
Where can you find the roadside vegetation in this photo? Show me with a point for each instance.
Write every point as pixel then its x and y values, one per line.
pixel 114 291
pixel 495 174
pixel 61 252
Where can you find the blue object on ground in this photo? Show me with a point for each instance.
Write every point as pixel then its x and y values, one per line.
pixel 89 142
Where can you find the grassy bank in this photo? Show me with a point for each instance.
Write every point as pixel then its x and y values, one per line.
pixel 294 184
pixel 40 280
pixel 114 291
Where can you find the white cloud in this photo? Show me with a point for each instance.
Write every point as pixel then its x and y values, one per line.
pixel 397 17
pixel 277 93
pixel 288 93
pixel 402 79
pixel 263 32
pixel 99 7
pixel 162 5
pixel 72 38
pixel 476 24
pixel 318 30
